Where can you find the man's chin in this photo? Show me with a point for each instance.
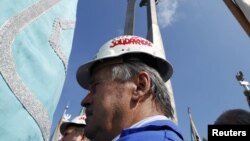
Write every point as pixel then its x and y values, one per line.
pixel 89 134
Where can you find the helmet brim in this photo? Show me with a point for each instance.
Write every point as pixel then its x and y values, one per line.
pixel 163 67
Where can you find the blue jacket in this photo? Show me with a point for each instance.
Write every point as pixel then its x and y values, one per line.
pixel 160 130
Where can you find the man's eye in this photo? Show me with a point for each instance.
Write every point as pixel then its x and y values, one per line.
pixel 93 87
pixel 65 134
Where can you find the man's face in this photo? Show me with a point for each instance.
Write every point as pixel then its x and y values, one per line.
pixel 105 105
pixel 71 135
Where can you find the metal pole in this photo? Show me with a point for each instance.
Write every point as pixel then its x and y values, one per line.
pixel 238 15
pixel 129 23
pixel 154 35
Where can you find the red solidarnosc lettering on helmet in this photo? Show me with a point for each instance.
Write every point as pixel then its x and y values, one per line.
pixel 132 40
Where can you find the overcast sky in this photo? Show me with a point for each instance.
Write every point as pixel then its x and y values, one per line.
pixel 204 42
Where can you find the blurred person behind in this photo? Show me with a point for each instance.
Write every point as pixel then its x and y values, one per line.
pixel 233 117
pixel 74 130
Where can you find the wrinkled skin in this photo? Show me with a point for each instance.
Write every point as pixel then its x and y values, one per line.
pixel 112 106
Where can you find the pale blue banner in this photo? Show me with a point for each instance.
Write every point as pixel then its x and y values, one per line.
pixel 35 43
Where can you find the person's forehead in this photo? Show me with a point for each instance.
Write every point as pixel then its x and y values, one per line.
pixel 102 70
pixel 70 127
pixel 106 64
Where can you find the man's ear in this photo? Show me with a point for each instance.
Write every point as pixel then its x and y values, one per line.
pixel 142 82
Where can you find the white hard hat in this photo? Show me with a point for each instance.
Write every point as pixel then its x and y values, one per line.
pixel 131 45
pixel 78 121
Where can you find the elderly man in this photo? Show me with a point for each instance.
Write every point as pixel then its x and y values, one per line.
pixel 127 99
pixel 74 130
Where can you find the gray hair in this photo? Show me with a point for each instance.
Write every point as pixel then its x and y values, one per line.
pixel 126 71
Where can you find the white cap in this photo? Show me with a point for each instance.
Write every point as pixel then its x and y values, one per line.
pixel 79 121
pixel 131 45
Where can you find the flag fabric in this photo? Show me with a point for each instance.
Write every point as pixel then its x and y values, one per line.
pixel 57 136
pixel 194 132
pixel 35 43
pixel 82 112
pixel 244 6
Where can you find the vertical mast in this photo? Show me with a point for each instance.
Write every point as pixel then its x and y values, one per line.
pixel 154 35
pixel 129 23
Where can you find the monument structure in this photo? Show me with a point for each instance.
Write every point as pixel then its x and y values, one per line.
pixel 153 34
